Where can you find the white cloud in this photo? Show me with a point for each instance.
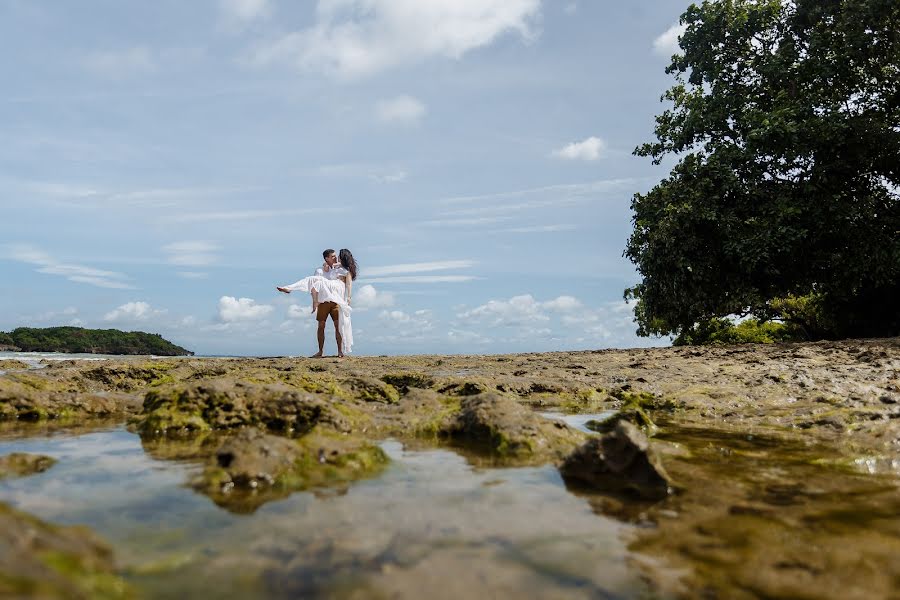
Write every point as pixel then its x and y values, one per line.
pixel 392 177
pixel 192 275
pixel 402 109
pixel 667 42
pixel 405 324
pixel 537 229
pixel 244 11
pixel 563 304
pixel 233 309
pixel 355 38
pixel 423 279
pixel 515 311
pixel 368 297
pixel 77 273
pixel 591 148
pixel 138 60
pixel 132 311
pixel 246 215
pixel 191 253
pixel 422 267
pixel 295 311
pixel 522 310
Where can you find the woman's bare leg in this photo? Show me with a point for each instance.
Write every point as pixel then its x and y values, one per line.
pixel 315 299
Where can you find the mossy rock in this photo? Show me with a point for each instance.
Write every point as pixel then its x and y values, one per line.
pixel 370 389
pixel 253 467
pixel 130 377
pixel 464 388
pixel 11 364
pixel 19 464
pixel 502 426
pixel 230 404
pixel 40 560
pixel 404 381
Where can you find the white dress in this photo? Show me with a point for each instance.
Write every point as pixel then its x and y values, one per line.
pixel 331 289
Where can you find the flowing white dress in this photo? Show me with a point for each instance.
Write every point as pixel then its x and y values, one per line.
pixel 330 290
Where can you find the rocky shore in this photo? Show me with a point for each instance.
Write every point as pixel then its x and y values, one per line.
pixel 730 462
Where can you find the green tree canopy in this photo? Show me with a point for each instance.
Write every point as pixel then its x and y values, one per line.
pixel 785 122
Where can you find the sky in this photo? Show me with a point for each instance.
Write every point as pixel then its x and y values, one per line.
pixel 164 165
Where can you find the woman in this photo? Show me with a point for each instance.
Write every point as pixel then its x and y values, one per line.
pixel 336 286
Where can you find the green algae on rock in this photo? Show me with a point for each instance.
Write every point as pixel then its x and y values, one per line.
pixel 228 404
pixel 506 428
pixel 252 467
pixel 19 464
pixel 40 560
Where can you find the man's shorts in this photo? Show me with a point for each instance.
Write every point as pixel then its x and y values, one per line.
pixel 328 308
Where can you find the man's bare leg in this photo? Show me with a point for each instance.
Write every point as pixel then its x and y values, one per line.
pixel 337 336
pixel 320 337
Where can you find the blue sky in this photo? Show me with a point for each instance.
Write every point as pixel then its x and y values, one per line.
pixel 165 164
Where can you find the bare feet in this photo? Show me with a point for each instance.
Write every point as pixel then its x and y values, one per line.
pixel 314 308
pixel 283 290
pixel 316 355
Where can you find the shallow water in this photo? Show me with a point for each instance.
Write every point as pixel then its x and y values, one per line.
pixel 431 522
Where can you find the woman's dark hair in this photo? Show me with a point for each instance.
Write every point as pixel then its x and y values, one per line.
pixel 347 261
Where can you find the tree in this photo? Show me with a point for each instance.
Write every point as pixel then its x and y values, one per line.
pixel 785 121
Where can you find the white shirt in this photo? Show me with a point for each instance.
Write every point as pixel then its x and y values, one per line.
pixel 336 272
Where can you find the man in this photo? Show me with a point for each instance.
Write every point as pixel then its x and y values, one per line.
pixel 330 269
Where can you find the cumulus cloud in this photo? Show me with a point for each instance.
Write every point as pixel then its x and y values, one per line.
pixel 132 311
pixel 402 109
pixel 73 272
pixel 236 12
pixel 138 60
pixel 667 42
pixel 591 148
pixel 191 253
pixel 368 297
pixel 233 309
pixel 521 310
pixel 355 38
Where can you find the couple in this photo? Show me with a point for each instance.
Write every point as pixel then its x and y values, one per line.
pixel 331 288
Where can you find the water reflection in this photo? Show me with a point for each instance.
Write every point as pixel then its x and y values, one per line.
pixel 431 522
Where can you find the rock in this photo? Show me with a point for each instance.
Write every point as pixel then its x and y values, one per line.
pixel 404 381
pixel 370 389
pixel 28 397
pixel 12 364
pixel 620 462
pixel 252 467
pixel 226 404
pixel 19 464
pixel 40 560
pixel 506 428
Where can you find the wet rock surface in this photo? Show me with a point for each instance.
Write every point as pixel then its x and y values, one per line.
pixel 19 464
pixel 621 462
pixel 503 426
pixel 774 449
pixel 40 560
pixel 252 467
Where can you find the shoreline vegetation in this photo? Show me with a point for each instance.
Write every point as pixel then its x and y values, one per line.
pixel 78 340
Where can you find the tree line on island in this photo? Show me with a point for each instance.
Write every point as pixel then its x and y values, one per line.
pixel 780 219
pixel 77 340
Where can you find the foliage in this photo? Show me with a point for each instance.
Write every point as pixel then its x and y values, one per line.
pixel 723 331
pixel 92 341
pixel 784 202
pixel 6 340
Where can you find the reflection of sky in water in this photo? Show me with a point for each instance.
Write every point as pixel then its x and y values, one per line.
pixel 431 520
pixel 579 421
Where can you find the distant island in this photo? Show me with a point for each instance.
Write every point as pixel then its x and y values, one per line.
pixel 88 341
